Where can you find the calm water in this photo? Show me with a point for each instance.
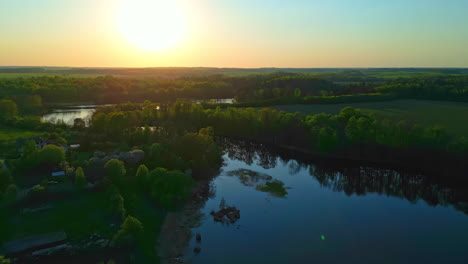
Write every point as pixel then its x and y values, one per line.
pixel 68 115
pixel 331 215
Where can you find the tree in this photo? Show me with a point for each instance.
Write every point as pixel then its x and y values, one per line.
pixel 51 155
pixel 116 203
pixel 79 124
pixel 5 179
pixel 4 260
pixel 115 171
pixel 8 109
pixel 130 232
pixel 171 187
pixel 80 179
pixel 142 175
pixel 327 140
pixel 297 92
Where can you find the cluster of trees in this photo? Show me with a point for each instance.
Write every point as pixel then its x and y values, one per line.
pixel 8 189
pixel 167 188
pixel 437 88
pixel 351 133
pixel 49 156
pixel 29 94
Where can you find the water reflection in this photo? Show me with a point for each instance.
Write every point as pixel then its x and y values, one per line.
pixel 354 178
pixel 69 115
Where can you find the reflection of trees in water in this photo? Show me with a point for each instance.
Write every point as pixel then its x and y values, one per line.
pixel 363 180
pixel 352 179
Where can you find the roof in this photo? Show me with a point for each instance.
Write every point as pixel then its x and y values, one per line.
pixel 33 243
pixel 58 173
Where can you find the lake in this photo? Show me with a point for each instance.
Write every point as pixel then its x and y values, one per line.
pixel 68 114
pixel 331 213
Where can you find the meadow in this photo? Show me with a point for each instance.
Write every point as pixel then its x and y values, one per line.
pixel 10 133
pixel 451 115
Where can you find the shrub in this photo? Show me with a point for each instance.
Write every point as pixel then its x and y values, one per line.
pixel 130 232
pixel 80 179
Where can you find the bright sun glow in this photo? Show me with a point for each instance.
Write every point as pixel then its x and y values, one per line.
pixel 152 25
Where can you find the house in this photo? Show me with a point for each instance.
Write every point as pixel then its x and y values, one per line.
pixel 40 143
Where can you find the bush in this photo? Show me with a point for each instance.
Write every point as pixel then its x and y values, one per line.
pixel 80 178
pixel 4 260
pixel 170 187
pixel 142 175
pixel 130 232
pixel 115 172
pixel 116 203
pixel 37 192
pixel 51 155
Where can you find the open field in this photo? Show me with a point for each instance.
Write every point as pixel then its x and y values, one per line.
pixel 452 115
pixel 9 133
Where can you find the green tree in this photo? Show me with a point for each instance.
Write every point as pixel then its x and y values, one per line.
pixel 51 155
pixel 171 187
pixel 4 260
pixel 80 178
pixel 297 92
pixel 115 172
pixel 327 140
pixel 142 175
pixel 130 233
pixel 116 202
pixel 8 109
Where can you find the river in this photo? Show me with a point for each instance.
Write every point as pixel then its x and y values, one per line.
pixel 331 213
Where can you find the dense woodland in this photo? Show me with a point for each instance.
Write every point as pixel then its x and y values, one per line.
pixel 31 94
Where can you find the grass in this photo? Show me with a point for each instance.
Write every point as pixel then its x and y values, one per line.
pixel 78 217
pixel 9 133
pixel 451 115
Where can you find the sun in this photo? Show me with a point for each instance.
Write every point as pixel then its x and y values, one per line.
pixel 152 25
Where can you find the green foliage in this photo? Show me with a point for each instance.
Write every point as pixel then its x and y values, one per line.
pixel 116 202
pixel 130 233
pixel 297 92
pixel 169 187
pixel 80 178
pixel 8 109
pixel 37 192
pixel 142 175
pixel 4 260
pixel 199 149
pixel 275 188
pixel 115 172
pixel 51 155
pixel 7 189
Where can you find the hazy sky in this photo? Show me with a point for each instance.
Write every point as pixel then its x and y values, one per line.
pixel 239 33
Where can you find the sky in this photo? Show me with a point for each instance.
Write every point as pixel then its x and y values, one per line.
pixel 234 33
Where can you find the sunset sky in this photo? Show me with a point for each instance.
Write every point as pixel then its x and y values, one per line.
pixel 234 33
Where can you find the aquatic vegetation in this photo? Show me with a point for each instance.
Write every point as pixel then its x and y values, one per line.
pixel 249 177
pixel 275 188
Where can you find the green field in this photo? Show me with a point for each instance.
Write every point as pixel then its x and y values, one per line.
pixel 452 115
pixel 9 133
